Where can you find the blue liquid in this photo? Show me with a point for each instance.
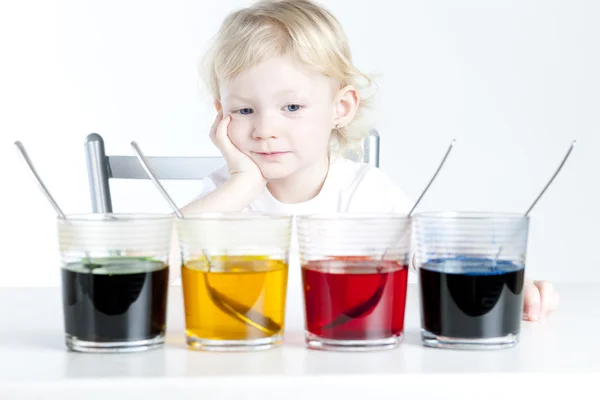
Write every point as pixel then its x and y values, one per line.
pixel 471 266
pixel 466 297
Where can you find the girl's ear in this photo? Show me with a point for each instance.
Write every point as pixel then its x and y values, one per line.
pixel 346 105
pixel 218 106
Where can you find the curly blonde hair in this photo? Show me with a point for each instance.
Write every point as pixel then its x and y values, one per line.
pixel 298 28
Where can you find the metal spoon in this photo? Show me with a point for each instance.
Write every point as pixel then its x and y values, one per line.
pixel 368 305
pixel 229 306
pixel 562 163
pixel 437 171
pixel 38 180
pixel 564 160
pixel 45 191
pixel 433 177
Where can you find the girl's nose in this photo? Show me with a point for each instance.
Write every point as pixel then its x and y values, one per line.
pixel 264 128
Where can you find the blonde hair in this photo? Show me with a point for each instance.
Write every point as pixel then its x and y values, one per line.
pixel 297 28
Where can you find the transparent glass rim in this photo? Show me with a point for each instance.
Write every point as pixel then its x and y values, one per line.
pixel 115 217
pixel 470 215
pixel 352 216
pixel 236 216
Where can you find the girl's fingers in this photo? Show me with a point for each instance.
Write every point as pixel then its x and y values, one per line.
pixel 548 297
pixel 222 136
pixel 213 128
pixel 531 302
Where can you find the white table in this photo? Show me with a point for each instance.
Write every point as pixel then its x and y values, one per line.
pixel 560 355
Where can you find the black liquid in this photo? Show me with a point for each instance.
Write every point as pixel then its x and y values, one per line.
pixel 471 297
pixel 115 299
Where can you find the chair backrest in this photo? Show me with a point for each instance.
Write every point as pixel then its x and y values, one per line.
pixel 101 167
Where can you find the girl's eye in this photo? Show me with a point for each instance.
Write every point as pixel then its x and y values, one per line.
pixel 292 107
pixel 245 111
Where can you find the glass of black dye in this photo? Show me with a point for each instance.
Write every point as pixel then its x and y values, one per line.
pixel 115 278
pixel 471 275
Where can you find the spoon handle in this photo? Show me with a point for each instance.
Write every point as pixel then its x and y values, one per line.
pixel 564 160
pixel 433 177
pixel 161 189
pixel 38 180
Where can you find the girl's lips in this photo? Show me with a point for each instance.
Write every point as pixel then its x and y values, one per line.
pixel 272 155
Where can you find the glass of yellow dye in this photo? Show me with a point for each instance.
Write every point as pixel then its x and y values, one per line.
pixel 234 277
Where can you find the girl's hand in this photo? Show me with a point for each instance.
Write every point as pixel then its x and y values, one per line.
pixel 539 298
pixel 239 163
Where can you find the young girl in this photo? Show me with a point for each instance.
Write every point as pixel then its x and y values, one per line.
pixel 288 106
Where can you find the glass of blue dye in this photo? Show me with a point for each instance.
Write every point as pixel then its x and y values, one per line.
pixel 471 276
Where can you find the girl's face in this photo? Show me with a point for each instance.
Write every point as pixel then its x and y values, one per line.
pixel 282 115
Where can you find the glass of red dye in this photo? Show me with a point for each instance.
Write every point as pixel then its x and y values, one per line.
pixel 354 275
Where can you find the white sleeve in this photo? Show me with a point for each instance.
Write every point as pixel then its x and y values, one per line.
pixel 401 203
pixel 211 182
pixel 207 185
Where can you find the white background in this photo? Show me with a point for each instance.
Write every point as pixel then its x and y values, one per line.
pixel 513 81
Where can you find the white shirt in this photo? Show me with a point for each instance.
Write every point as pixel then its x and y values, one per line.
pixel 350 186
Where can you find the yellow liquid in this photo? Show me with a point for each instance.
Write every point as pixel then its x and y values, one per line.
pixel 236 298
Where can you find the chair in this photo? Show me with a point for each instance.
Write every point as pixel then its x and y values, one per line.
pixel 101 167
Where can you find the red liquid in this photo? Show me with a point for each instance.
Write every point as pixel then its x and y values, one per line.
pixel 354 298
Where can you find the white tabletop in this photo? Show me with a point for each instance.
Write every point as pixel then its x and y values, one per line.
pixel 552 354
